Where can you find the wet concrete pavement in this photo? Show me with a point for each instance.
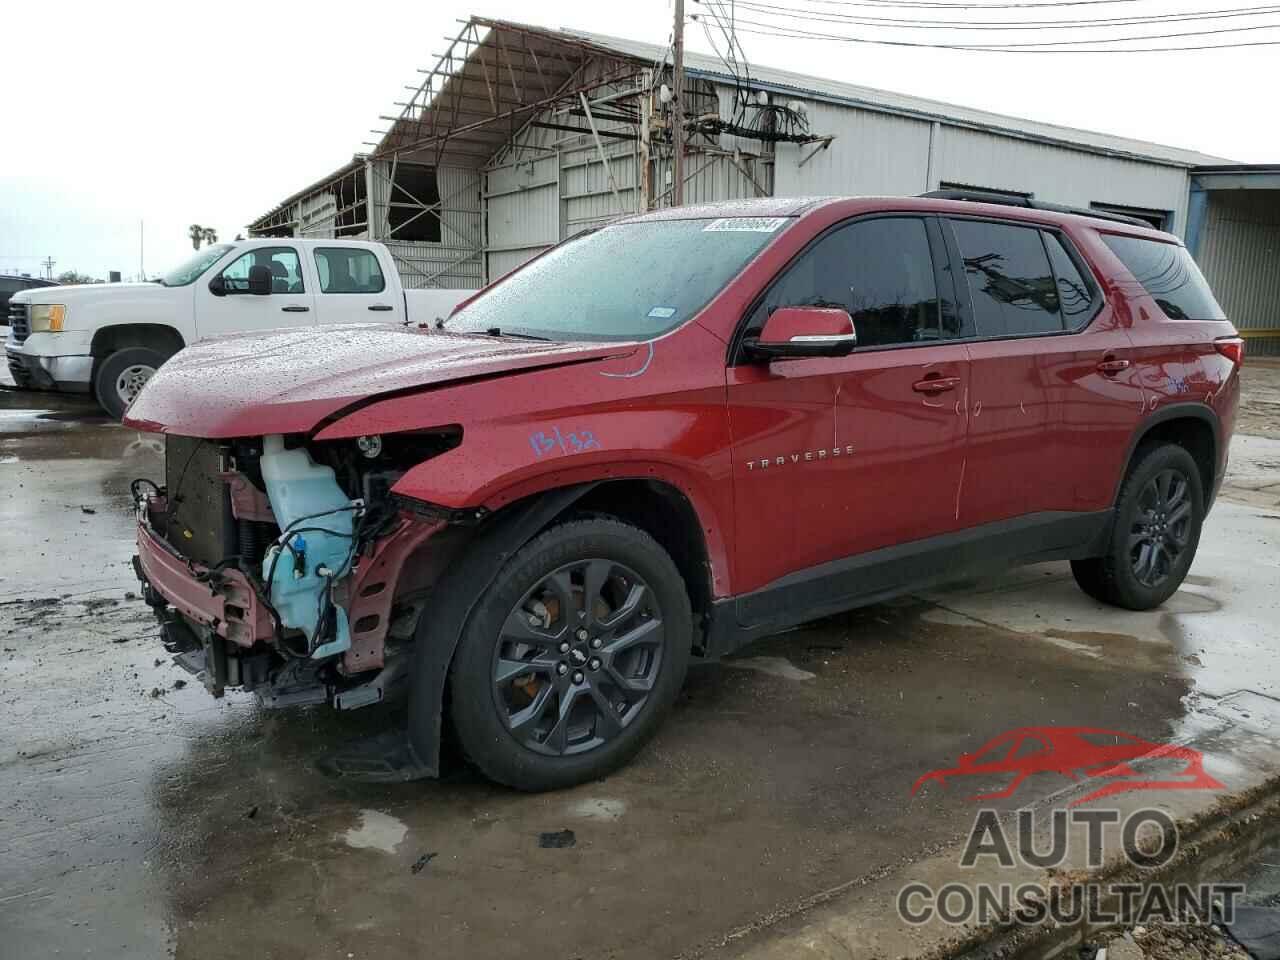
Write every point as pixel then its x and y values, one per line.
pixel 139 818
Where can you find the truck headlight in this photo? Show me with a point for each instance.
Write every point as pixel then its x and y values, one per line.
pixel 47 317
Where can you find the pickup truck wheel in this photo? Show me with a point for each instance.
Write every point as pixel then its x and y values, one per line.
pixel 121 375
pixel 1157 530
pixel 572 657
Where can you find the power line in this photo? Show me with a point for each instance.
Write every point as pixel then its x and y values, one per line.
pixel 933 5
pixel 772 9
pixel 1151 36
pixel 771 29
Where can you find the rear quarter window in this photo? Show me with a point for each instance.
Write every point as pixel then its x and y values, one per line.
pixel 1167 272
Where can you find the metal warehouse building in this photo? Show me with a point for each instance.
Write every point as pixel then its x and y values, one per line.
pixel 522 136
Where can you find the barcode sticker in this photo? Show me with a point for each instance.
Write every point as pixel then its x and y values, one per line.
pixel 745 225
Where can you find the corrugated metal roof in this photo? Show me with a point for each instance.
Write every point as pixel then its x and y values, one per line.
pixel 802 85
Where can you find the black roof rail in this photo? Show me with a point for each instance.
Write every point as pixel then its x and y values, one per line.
pixel 1012 200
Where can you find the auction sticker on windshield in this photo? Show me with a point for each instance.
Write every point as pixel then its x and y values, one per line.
pixel 744 225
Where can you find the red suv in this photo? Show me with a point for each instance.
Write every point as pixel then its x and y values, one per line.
pixel 669 437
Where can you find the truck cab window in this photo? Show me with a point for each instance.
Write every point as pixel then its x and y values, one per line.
pixel 286 271
pixel 349 270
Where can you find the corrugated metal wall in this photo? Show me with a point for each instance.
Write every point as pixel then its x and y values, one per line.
pixel 550 184
pixel 871 154
pixel 884 154
pixel 315 215
pixel 522 211
pixel 456 262
pixel 1240 257
pixel 1059 174
pixel 588 200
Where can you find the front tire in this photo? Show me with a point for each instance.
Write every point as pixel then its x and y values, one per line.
pixel 1157 529
pixel 121 375
pixel 573 656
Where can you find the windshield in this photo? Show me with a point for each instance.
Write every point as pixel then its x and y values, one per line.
pixel 630 281
pixel 189 270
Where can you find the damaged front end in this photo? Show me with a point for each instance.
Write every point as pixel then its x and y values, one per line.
pixel 281 566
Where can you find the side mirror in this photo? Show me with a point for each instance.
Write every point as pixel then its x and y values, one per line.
pixel 259 280
pixel 794 332
pixel 218 286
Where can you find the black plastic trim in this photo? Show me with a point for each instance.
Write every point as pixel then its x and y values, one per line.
pixel 1178 411
pixel 879 575
pixel 1030 203
pixel 452 599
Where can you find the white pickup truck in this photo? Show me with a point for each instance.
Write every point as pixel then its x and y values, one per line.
pixel 108 339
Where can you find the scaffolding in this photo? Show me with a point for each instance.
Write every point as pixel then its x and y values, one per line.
pixel 452 183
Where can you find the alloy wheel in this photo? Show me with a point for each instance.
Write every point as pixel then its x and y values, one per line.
pixel 1161 529
pixel 578 657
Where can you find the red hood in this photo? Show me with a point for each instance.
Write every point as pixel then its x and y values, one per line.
pixel 287 381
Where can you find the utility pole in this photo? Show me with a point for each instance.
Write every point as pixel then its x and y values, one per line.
pixel 48 263
pixel 677 107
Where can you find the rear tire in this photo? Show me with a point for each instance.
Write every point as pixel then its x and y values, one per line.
pixel 1157 528
pixel 121 375
pixel 572 657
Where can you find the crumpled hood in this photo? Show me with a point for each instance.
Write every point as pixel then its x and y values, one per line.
pixel 287 381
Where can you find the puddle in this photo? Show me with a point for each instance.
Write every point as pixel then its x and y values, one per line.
pixel 377 831
pixel 597 808
pixel 774 666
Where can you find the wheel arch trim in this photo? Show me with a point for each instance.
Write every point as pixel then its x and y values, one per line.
pixel 138 334
pixel 453 598
pixel 1175 411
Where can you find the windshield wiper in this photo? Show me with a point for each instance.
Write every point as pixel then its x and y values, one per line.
pixel 498 332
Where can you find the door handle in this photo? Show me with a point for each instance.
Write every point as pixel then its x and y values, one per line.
pixel 294 308
pixel 935 384
pixel 1112 365
pixel 381 307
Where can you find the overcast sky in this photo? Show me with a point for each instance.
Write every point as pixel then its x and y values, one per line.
pixel 171 113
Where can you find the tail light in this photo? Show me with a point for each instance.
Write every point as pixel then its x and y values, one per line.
pixel 1232 348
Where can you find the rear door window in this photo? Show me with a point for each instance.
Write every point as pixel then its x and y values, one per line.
pixel 1167 272
pixel 1076 295
pixel 1011 284
pixel 349 270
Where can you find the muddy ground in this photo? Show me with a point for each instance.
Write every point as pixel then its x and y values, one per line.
pixel 1260 401
pixel 140 818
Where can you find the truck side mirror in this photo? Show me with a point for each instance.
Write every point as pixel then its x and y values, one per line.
pixel 218 286
pixel 259 280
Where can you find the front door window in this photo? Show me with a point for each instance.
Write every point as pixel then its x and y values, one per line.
pixel 286 272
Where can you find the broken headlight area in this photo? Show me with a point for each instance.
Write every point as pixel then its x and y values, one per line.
pixel 278 566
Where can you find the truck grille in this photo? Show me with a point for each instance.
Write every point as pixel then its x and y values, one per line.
pixel 19 321
pixel 200 525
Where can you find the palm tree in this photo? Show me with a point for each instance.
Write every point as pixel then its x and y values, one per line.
pixel 210 235
pixel 196 233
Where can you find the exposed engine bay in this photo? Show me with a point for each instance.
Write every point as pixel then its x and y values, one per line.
pixel 278 565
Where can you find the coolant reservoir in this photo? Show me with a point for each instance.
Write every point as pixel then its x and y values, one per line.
pixel 322 544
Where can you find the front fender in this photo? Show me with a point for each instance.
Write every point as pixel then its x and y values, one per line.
pixel 548 429
pixel 475 475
